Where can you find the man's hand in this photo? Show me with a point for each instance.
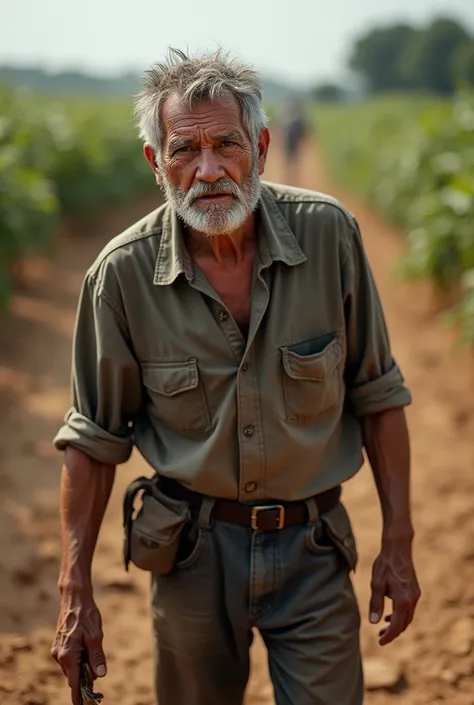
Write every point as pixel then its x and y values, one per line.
pixel 393 576
pixel 79 627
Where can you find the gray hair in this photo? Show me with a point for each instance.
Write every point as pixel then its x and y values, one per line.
pixel 206 77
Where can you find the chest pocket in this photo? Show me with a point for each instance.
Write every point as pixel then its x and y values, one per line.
pixel 312 383
pixel 176 396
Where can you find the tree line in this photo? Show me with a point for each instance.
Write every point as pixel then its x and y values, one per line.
pixel 435 58
pixel 122 85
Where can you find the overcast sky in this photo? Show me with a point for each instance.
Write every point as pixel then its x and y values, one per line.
pixel 297 40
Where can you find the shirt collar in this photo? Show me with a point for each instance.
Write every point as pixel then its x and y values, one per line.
pixel 280 239
pixel 173 258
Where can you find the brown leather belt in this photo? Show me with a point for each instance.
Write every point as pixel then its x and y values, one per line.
pixel 269 516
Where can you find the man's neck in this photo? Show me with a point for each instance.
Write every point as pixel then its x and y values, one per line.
pixel 225 249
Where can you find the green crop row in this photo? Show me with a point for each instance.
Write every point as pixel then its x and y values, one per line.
pixel 60 160
pixel 414 161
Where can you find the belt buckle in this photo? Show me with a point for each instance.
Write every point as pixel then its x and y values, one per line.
pixel 265 508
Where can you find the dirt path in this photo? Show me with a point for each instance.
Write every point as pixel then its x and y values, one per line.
pixel 436 654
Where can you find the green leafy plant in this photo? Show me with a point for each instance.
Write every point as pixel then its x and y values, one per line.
pixel 414 160
pixel 61 160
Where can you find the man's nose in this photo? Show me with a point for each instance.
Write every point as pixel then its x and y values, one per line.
pixel 209 167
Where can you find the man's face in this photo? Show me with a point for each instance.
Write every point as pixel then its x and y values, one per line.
pixel 209 168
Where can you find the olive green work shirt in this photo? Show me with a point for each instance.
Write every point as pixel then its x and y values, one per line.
pixel 159 362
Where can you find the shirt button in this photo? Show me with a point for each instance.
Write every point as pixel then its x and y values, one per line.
pixel 245 367
pixel 250 487
pixel 248 431
pixel 223 315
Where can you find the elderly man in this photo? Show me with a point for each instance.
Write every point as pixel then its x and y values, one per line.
pixel 236 338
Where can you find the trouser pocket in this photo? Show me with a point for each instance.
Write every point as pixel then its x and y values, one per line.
pixel 191 544
pixel 332 532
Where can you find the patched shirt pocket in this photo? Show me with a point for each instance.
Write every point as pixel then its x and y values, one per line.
pixel 176 395
pixel 312 384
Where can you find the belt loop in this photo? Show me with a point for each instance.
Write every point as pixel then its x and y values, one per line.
pixel 313 513
pixel 205 513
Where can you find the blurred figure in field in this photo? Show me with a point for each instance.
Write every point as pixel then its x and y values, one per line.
pixel 295 130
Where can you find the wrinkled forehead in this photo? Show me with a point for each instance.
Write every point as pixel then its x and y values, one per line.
pixel 223 114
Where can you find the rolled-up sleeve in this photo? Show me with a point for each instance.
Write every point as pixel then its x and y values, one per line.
pixel 373 379
pixel 106 389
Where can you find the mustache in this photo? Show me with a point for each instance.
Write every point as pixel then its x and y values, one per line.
pixel 205 189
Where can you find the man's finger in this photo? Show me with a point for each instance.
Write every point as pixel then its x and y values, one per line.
pixel 97 663
pixel 398 624
pixel 95 654
pixel 70 661
pixel 409 617
pixel 73 679
pixel 377 601
pixel 55 655
pixel 412 606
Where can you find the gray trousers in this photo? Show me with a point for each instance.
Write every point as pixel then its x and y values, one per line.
pixel 292 585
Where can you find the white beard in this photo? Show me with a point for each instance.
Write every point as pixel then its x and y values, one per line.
pixel 216 219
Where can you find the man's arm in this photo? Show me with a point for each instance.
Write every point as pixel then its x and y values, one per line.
pixel 96 436
pixel 86 485
pixel 85 490
pixel 377 396
pixel 388 449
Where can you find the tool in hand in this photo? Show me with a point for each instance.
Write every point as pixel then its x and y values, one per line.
pixel 87 684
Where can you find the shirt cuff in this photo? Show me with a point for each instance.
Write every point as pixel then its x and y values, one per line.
pixel 83 434
pixel 385 392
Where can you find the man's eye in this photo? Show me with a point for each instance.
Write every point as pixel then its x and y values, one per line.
pixel 183 149
pixel 227 143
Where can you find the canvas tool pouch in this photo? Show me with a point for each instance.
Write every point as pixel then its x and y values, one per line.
pixel 151 538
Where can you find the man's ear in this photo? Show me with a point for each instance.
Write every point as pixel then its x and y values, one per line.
pixel 150 156
pixel 263 144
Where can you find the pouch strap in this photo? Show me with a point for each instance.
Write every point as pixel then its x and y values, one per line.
pixel 205 513
pixel 313 511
